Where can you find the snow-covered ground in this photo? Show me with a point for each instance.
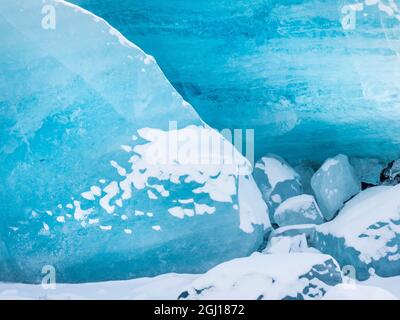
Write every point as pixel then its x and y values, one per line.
pixel 163 287
pixel 358 292
pixel 169 286
pixel 391 284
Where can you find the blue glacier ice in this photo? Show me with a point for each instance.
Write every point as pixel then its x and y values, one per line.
pixel 306 172
pixel 292 238
pixel 335 183
pixel 104 170
pixel 314 78
pixel 297 210
pixel 87 184
pixel 287 244
pixel 365 236
pixel 294 230
pixel 368 170
pixel 277 181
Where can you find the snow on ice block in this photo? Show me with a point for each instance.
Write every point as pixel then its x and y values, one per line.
pixel 302 209
pixel 277 181
pixel 97 178
pixel 294 230
pixel 291 238
pixel 306 172
pixel 287 244
pixel 366 233
pixel 333 184
pixel 269 277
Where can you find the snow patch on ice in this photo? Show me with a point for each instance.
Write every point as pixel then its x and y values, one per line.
pixel 276 171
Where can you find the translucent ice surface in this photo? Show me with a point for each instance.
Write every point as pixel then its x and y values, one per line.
pixel 95 178
pixel 335 183
pixel 301 209
pixel 365 236
pixel 313 77
pixel 368 170
pixel 277 181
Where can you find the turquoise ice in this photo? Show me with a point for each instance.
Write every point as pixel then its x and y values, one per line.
pixel 335 183
pixel 87 185
pixel 91 184
pixel 305 171
pixel 365 237
pixel 314 78
pixel 301 209
pixel 277 181
pixel 368 170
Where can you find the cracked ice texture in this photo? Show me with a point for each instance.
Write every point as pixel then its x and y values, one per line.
pixel 82 112
pixel 287 68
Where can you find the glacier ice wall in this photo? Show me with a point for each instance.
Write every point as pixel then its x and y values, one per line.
pixel 84 114
pixel 310 86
